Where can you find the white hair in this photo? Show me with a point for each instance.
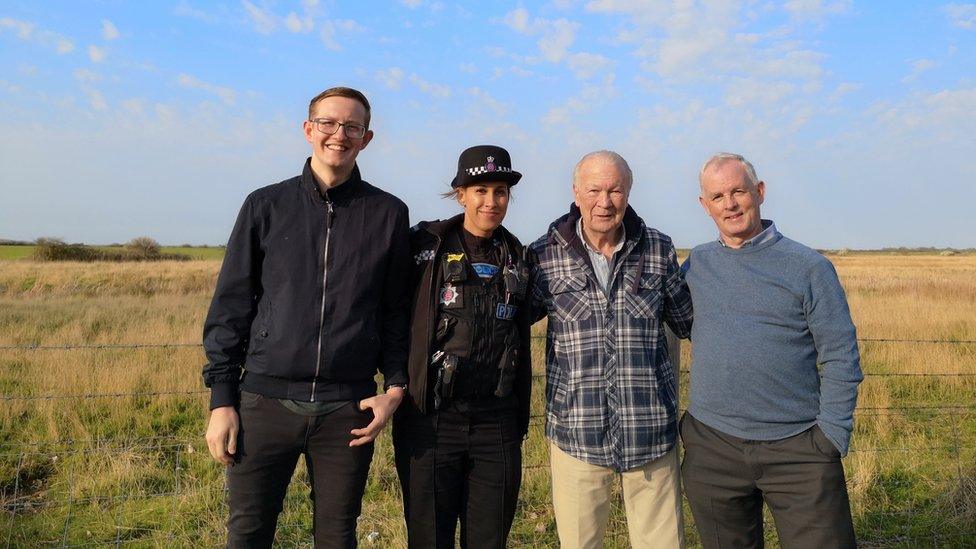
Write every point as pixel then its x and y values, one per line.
pixel 723 157
pixel 606 156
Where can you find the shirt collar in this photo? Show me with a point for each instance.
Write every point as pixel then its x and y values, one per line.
pixel 769 231
pixel 617 248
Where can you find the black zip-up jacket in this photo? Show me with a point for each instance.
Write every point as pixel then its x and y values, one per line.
pixel 312 298
pixel 425 245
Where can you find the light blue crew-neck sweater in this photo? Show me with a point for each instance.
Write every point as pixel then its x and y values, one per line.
pixel 774 348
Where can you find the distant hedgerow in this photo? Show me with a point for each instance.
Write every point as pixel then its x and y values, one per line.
pixel 142 248
pixel 55 249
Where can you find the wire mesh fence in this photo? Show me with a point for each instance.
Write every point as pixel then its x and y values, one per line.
pixel 914 489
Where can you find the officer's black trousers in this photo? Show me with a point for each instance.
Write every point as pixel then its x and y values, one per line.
pixel 271 439
pixel 458 466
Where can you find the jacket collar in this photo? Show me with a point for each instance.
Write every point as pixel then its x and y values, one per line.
pixel 336 194
pixel 565 228
pixel 441 227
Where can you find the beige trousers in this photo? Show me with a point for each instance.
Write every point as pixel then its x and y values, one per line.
pixel 581 501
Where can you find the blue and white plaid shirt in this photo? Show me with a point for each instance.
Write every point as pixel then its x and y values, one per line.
pixel 611 392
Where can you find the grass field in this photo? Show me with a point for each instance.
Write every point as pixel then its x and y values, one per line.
pixel 134 469
pixel 194 252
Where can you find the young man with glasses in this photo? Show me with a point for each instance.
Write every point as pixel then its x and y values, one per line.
pixel 309 305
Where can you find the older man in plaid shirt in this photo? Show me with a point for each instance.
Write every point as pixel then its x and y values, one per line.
pixel 608 283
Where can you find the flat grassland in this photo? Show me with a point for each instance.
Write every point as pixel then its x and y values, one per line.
pixel 193 252
pixel 83 461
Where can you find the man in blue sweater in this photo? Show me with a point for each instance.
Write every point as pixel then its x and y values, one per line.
pixel 774 377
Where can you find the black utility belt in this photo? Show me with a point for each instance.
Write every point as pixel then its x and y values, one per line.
pixel 458 380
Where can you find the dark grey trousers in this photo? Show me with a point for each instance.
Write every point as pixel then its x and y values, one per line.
pixel 270 441
pixel 801 479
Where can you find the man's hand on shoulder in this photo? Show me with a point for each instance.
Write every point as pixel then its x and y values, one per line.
pixel 222 434
pixel 383 407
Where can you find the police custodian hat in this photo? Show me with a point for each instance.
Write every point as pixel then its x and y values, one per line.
pixel 483 163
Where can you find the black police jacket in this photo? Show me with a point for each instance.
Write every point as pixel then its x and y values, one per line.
pixel 426 240
pixel 312 298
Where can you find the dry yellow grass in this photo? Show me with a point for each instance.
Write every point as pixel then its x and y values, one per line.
pixel 911 472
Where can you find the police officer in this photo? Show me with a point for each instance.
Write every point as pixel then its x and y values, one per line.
pixel 457 436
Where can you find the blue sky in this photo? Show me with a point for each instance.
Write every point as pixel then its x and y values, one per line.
pixel 121 119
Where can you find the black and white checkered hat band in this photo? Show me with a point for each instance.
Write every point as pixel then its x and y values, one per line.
pixel 484 169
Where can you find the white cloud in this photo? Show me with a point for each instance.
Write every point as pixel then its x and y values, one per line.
pixel 96 99
pixel 412 4
pixel 328 36
pixel 8 87
pixel 96 54
pixel 555 36
pixel 482 97
pixel 24 29
pixel 469 68
pixel 109 30
pixel 183 9
pixel 518 20
pixel 28 32
pixel 348 25
pixel 769 75
pixel 793 63
pixel 588 97
pixel 816 9
pixel 227 95
pixel 644 11
pixel 439 91
pixel 391 78
pixel 514 70
pixel 961 15
pixel 586 65
pixel 843 89
pixel 297 24
pixel 65 46
pixel 85 75
pixel 496 51
pixel 919 66
pixel 134 106
pixel 331 29
pixel 746 93
pixel 263 21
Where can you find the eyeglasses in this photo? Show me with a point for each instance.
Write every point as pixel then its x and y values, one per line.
pixel 329 127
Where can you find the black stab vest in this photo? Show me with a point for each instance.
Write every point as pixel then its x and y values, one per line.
pixel 476 320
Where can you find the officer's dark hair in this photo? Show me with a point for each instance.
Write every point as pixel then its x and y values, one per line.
pixel 453 193
pixel 340 91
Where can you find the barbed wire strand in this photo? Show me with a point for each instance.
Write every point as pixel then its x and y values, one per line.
pixel 73 346
pixel 84 396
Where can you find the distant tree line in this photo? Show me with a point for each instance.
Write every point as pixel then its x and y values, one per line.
pixel 142 248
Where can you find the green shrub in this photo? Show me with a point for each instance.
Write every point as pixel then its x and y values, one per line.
pixel 143 248
pixel 55 249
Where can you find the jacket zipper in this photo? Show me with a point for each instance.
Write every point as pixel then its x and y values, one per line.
pixel 325 278
pixel 434 295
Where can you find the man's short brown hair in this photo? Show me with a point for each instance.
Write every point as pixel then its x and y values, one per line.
pixel 340 91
